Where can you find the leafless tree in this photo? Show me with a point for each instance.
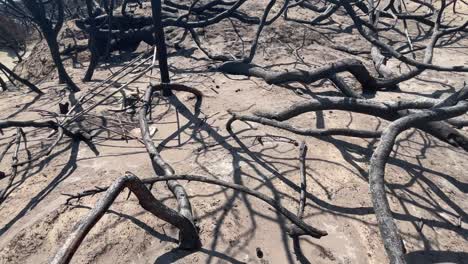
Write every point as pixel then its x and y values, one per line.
pixel 49 18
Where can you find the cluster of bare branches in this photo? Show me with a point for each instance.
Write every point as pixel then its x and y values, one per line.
pixel 441 118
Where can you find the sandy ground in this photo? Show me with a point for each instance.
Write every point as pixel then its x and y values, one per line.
pixel 7 58
pixel 427 178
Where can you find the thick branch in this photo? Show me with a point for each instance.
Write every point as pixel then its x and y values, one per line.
pixel 188 236
pixel 353 66
pixel 390 110
pixel 388 229
pixel 161 167
pixel 301 131
pixel 314 232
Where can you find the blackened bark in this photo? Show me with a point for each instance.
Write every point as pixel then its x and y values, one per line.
pixel 161 45
pixel 388 229
pixel 50 32
pixel 13 75
pixel 51 40
pixel 188 235
pixel 92 45
pixel 110 13
pixel 3 85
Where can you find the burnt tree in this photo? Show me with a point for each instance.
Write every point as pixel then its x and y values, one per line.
pixel 50 21
pixel 161 46
pixel 92 43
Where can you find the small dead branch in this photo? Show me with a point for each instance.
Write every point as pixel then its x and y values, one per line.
pixel 42 156
pixel 438 32
pixel 27 83
pixel 302 168
pixel 7 147
pixel 325 13
pixel 14 169
pixel 72 132
pixel 294 231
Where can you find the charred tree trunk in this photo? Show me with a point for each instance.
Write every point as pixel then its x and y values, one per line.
pixel 50 32
pixel 110 13
pixel 51 40
pixel 92 45
pixel 161 46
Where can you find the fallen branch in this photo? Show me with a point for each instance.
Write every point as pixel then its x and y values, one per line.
pixel 302 169
pixel 42 156
pixel 355 67
pixel 388 110
pixel 301 131
pixel 27 83
pixel 160 166
pixel 188 235
pixel 309 230
pixel 388 229
pixel 71 132
pixel 294 231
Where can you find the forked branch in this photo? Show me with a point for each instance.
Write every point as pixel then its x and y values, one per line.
pixel 188 235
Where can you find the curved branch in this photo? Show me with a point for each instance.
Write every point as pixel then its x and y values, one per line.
pixel 304 132
pixel 384 109
pixel 354 66
pixel 160 166
pixel 388 229
pixel 390 110
pixel 188 235
pixel 312 231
